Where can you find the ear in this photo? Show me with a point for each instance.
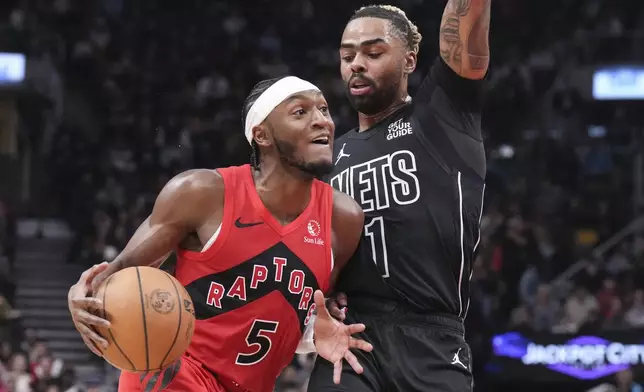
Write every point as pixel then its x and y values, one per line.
pixel 411 59
pixel 261 136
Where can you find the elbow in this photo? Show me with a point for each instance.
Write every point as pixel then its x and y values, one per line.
pixel 478 62
pixel 474 74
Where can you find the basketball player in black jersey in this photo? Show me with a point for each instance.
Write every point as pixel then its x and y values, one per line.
pixel 417 168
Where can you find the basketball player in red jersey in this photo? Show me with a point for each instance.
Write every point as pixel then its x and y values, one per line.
pixel 254 243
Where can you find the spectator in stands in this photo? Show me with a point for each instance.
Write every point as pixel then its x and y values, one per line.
pixel 68 381
pixel 48 369
pixel 635 315
pixel 545 310
pixel 581 309
pixel 30 339
pixel 592 276
pixel 619 262
pixel 529 284
pixel 625 382
pixel 19 374
pixel 518 252
pixel 520 319
pixel 52 387
pixel 6 351
pixel 615 318
pixel 606 298
pixel 37 351
pixel 485 288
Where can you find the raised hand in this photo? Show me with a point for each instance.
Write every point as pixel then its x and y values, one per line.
pixel 334 340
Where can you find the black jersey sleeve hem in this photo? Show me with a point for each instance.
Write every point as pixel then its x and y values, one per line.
pixel 466 94
pixel 455 100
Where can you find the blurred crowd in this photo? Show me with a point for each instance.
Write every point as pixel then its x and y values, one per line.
pixel 154 88
pixel 26 365
pixel 7 253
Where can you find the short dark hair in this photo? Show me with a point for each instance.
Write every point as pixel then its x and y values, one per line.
pixel 403 27
pixel 248 103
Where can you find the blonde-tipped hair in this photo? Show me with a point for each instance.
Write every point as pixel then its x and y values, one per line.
pixel 412 35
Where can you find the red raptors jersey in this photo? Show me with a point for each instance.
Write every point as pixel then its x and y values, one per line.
pixel 253 287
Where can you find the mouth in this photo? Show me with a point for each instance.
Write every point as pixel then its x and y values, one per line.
pixel 321 140
pixel 360 87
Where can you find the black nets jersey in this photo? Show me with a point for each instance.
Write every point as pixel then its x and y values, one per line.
pixel 419 176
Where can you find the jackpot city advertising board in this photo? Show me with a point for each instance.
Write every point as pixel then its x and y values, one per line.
pixel 563 357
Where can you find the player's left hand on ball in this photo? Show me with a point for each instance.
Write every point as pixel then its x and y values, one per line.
pixel 334 340
pixel 82 305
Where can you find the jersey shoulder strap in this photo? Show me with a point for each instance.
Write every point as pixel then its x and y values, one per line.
pixel 233 177
pixel 233 200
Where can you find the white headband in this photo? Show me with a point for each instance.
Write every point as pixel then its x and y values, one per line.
pixel 272 97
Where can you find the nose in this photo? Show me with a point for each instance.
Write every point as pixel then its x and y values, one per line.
pixel 358 65
pixel 322 121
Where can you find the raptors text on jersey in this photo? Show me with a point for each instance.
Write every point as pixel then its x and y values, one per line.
pixel 252 289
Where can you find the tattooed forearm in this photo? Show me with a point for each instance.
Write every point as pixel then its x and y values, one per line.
pixel 464 34
pixel 478 49
pixel 450 35
pixel 452 46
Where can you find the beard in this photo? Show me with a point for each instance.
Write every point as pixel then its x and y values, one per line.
pixel 287 153
pixel 379 99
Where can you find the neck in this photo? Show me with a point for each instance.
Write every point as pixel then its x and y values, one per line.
pixel 366 121
pixel 284 191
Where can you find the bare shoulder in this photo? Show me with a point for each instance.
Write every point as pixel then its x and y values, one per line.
pixel 191 195
pixel 196 180
pixel 347 209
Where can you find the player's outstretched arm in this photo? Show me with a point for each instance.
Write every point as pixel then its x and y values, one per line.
pixel 464 37
pixel 180 209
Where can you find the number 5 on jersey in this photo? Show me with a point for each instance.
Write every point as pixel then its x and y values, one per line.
pixel 375 232
pixel 259 339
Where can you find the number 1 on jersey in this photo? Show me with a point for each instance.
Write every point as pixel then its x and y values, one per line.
pixel 375 232
pixel 259 338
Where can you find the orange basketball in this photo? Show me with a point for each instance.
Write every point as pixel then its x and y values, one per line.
pixel 152 319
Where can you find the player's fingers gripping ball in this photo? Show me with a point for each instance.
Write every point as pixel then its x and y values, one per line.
pixel 152 319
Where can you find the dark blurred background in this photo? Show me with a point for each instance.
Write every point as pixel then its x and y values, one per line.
pixel 101 102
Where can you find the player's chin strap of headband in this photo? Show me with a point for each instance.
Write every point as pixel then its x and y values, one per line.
pixel 272 97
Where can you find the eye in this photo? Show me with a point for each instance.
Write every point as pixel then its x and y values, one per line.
pixel 374 55
pixel 324 109
pixel 348 58
pixel 299 112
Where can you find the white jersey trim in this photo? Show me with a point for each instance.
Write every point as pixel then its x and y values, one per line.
pixel 478 240
pixel 462 234
pixel 212 239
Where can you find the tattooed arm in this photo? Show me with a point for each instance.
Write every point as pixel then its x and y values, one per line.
pixel 464 34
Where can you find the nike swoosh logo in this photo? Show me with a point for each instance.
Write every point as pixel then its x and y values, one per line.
pixel 238 223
